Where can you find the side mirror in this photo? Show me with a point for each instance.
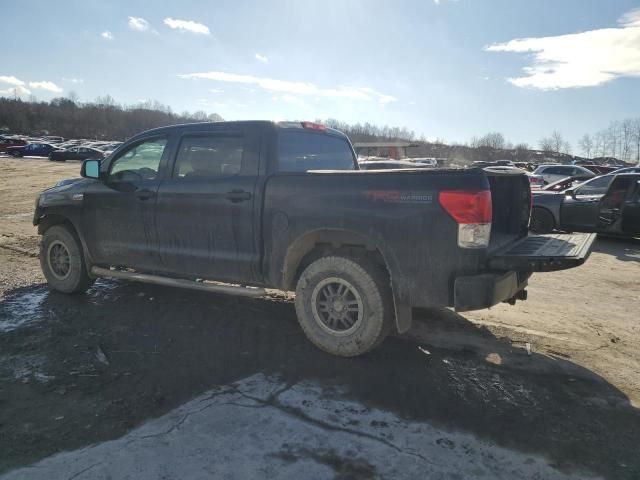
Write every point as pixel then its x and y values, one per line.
pixel 90 169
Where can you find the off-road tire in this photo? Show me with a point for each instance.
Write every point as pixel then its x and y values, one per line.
pixel 372 285
pixel 541 221
pixel 76 279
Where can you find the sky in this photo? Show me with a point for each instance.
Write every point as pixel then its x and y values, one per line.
pixel 447 69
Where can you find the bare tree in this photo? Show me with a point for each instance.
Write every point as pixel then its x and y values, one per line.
pixel 626 139
pixel 636 137
pixel 555 143
pixel 492 140
pixel 586 145
pixel 522 151
pixel 546 144
pixel 613 138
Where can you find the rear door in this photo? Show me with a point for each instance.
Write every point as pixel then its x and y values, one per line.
pixel 620 203
pixel 580 211
pixel 119 211
pixel 631 211
pixel 207 207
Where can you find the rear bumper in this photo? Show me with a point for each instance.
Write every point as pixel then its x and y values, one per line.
pixel 475 292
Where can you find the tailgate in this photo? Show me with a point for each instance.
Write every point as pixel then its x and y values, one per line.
pixel 544 253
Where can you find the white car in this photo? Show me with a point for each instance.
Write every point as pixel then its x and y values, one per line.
pixel 535 181
pixel 553 173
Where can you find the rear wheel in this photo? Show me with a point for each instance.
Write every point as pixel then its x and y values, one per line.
pixel 62 260
pixel 344 305
pixel 541 221
pixel 15 154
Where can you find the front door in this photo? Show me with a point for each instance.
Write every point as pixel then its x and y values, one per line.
pixel 206 209
pixel 579 212
pixel 119 211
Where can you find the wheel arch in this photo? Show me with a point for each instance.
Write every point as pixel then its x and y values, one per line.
pixel 546 209
pixel 49 220
pixel 324 242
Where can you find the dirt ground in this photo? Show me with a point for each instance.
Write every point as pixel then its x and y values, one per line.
pixel 557 375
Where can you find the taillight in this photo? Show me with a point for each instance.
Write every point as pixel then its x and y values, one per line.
pixel 471 209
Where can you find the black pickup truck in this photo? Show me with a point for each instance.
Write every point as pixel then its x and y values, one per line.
pixel 236 207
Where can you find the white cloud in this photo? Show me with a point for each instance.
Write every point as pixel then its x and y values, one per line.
pixel 11 80
pixel 187 25
pixel 261 58
pixel 46 85
pixel 76 81
pixel 293 100
pixel 107 35
pixel 216 90
pixel 138 24
pixel 18 90
pixel 294 88
pixel 583 59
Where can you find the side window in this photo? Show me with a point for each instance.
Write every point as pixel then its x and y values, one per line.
pixel 209 156
pixel 302 151
pixel 597 186
pixel 554 171
pixel 139 162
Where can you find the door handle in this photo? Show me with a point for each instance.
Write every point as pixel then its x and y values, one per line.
pixel 145 194
pixel 237 196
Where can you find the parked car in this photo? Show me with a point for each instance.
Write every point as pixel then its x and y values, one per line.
pixel 31 150
pixel 426 161
pixel 566 183
pixel 535 181
pixel 530 167
pixel 608 204
pixel 75 153
pixel 389 164
pixel 599 169
pixel 628 170
pixel 6 142
pixel 283 205
pixel 552 173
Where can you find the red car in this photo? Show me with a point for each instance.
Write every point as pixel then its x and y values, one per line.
pixel 6 142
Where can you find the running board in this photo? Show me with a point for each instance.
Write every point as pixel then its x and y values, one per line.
pixel 178 282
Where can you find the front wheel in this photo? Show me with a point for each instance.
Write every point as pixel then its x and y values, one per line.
pixel 344 305
pixel 62 260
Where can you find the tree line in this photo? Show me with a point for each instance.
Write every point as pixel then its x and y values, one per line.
pixel 102 119
pixel 363 132
pixel 621 139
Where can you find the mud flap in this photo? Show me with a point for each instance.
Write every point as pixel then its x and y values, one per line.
pixel 403 316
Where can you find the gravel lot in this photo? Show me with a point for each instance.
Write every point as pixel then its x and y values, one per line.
pixel 80 370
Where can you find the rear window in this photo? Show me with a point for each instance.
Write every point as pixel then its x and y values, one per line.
pixel 558 170
pixel 302 151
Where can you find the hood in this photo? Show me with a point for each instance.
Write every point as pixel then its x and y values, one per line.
pixel 69 191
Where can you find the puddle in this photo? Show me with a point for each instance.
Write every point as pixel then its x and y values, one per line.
pixel 22 310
